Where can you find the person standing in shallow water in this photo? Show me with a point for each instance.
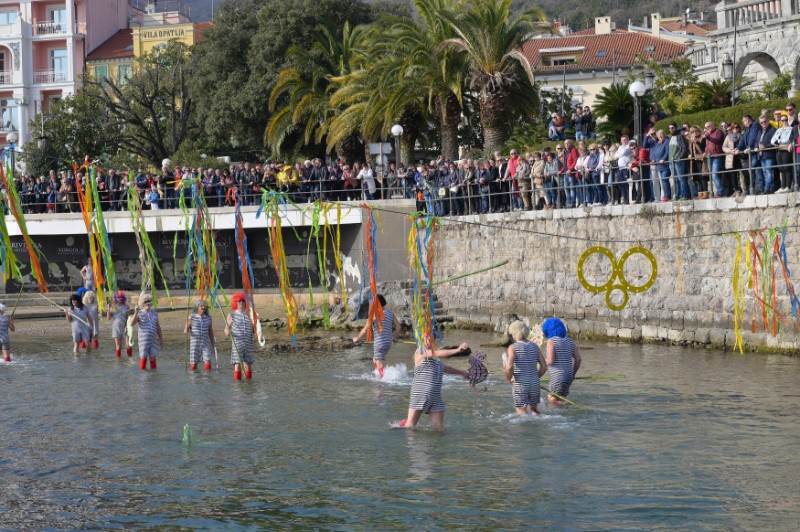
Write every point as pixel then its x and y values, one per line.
pixel 426 388
pixel 382 339
pixel 81 323
pixel 201 336
pixel 150 338
pixel 87 274
pixel 119 329
pixel 521 371
pixel 6 324
pixel 563 358
pixel 241 331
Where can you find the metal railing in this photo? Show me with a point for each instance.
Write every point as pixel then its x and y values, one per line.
pixel 753 173
pixel 6 78
pixel 49 28
pixel 50 76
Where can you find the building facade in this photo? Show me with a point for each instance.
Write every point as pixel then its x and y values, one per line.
pixel 589 60
pixel 43 44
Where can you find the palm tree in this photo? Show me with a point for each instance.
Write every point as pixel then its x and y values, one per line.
pixel 716 94
pixel 300 100
pixel 498 71
pixel 615 104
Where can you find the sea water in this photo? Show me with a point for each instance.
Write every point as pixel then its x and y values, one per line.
pixel 685 439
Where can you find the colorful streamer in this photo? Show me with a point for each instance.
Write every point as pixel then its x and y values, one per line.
pixel 420 255
pixel 148 258
pixel 245 266
pixel 271 204
pixel 370 245
pixel 15 206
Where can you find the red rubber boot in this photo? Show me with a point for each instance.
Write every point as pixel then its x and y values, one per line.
pixel 207 366
pixel 118 352
pixel 83 344
pixel 152 363
pixel 192 367
pixel 129 351
pixel 96 343
pixel 142 363
pixel 237 375
pixel 248 373
pixel 8 358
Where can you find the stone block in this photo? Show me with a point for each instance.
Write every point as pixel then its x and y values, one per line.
pixel 612 332
pixel 649 331
pixel 624 332
pixel 778 200
pixel 717 337
pixel 675 335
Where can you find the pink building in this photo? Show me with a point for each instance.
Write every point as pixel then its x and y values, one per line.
pixel 43 44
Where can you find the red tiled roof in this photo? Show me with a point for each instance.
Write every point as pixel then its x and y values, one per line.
pixel 118 46
pixel 590 31
pixel 689 28
pixel 627 45
pixel 199 28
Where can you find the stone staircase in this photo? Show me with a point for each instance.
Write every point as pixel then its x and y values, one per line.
pixel 441 316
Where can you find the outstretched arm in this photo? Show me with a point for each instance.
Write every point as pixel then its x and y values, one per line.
pixel 444 353
pixel 397 329
pixel 450 370
pixel 542 365
pixel 361 333
pixel 509 367
pixel 577 361
pixel 11 323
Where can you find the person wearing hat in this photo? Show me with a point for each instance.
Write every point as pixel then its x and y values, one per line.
pixel 524 365
pixel 240 328
pixel 81 323
pixel 6 324
pixel 90 302
pixel 201 335
pixel 119 317
pixel 151 340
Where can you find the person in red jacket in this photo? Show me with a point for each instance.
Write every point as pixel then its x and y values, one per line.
pixel 715 157
pixel 571 188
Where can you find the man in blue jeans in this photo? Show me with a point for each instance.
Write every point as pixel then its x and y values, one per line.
pixel 747 146
pixel 766 154
pixel 715 156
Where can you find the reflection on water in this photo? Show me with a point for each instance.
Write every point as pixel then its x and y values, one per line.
pixel 687 439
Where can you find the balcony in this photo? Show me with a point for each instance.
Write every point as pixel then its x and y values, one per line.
pixel 50 76
pixel 49 28
pixel 8 126
pixel 6 78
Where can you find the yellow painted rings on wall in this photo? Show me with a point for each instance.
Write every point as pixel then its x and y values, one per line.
pixel 617 274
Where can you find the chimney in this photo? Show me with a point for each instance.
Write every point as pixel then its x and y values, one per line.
pixel 655 24
pixel 602 25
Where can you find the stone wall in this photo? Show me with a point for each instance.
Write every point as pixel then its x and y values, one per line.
pixel 691 301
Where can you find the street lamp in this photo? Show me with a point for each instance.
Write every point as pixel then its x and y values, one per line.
pixel 649 80
pixel 728 75
pixel 637 89
pixel 397 131
pixel 12 139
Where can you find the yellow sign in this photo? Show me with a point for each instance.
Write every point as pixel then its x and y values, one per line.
pixel 617 273
pixel 163 34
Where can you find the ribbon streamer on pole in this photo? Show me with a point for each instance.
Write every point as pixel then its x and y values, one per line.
pixel 245 266
pixel 375 309
pixel 420 256
pixel 148 258
pixel 15 206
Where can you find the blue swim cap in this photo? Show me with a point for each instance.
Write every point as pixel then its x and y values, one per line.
pixel 81 291
pixel 554 328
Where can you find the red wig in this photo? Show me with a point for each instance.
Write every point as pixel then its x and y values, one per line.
pixel 237 298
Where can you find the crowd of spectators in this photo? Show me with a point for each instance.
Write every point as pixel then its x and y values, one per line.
pixel 684 162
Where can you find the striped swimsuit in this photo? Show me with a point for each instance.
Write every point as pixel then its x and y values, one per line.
pixel 526 374
pixel 92 311
pixel 561 368
pixel 89 282
pixel 80 327
pixel 426 389
pixel 383 340
pixel 119 322
pixel 199 342
pixel 241 338
pixel 148 334
pixel 5 343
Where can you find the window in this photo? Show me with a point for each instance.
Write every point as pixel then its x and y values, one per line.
pixel 123 74
pixel 100 72
pixel 8 115
pixel 7 17
pixel 57 14
pixel 601 53
pixel 650 48
pixel 58 64
pixel 563 62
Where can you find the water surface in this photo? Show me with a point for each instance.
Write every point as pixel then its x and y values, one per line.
pixel 686 440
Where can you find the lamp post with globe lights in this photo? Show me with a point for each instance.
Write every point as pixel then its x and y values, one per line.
pixel 12 139
pixel 397 131
pixel 637 89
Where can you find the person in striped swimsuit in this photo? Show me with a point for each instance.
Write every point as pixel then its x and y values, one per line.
pixel 384 337
pixel 521 369
pixel 81 322
pixel 119 325
pixel 201 331
pixel 150 338
pixel 87 274
pixel 563 358
pixel 6 324
pixel 426 388
pixel 90 302
pixel 241 331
